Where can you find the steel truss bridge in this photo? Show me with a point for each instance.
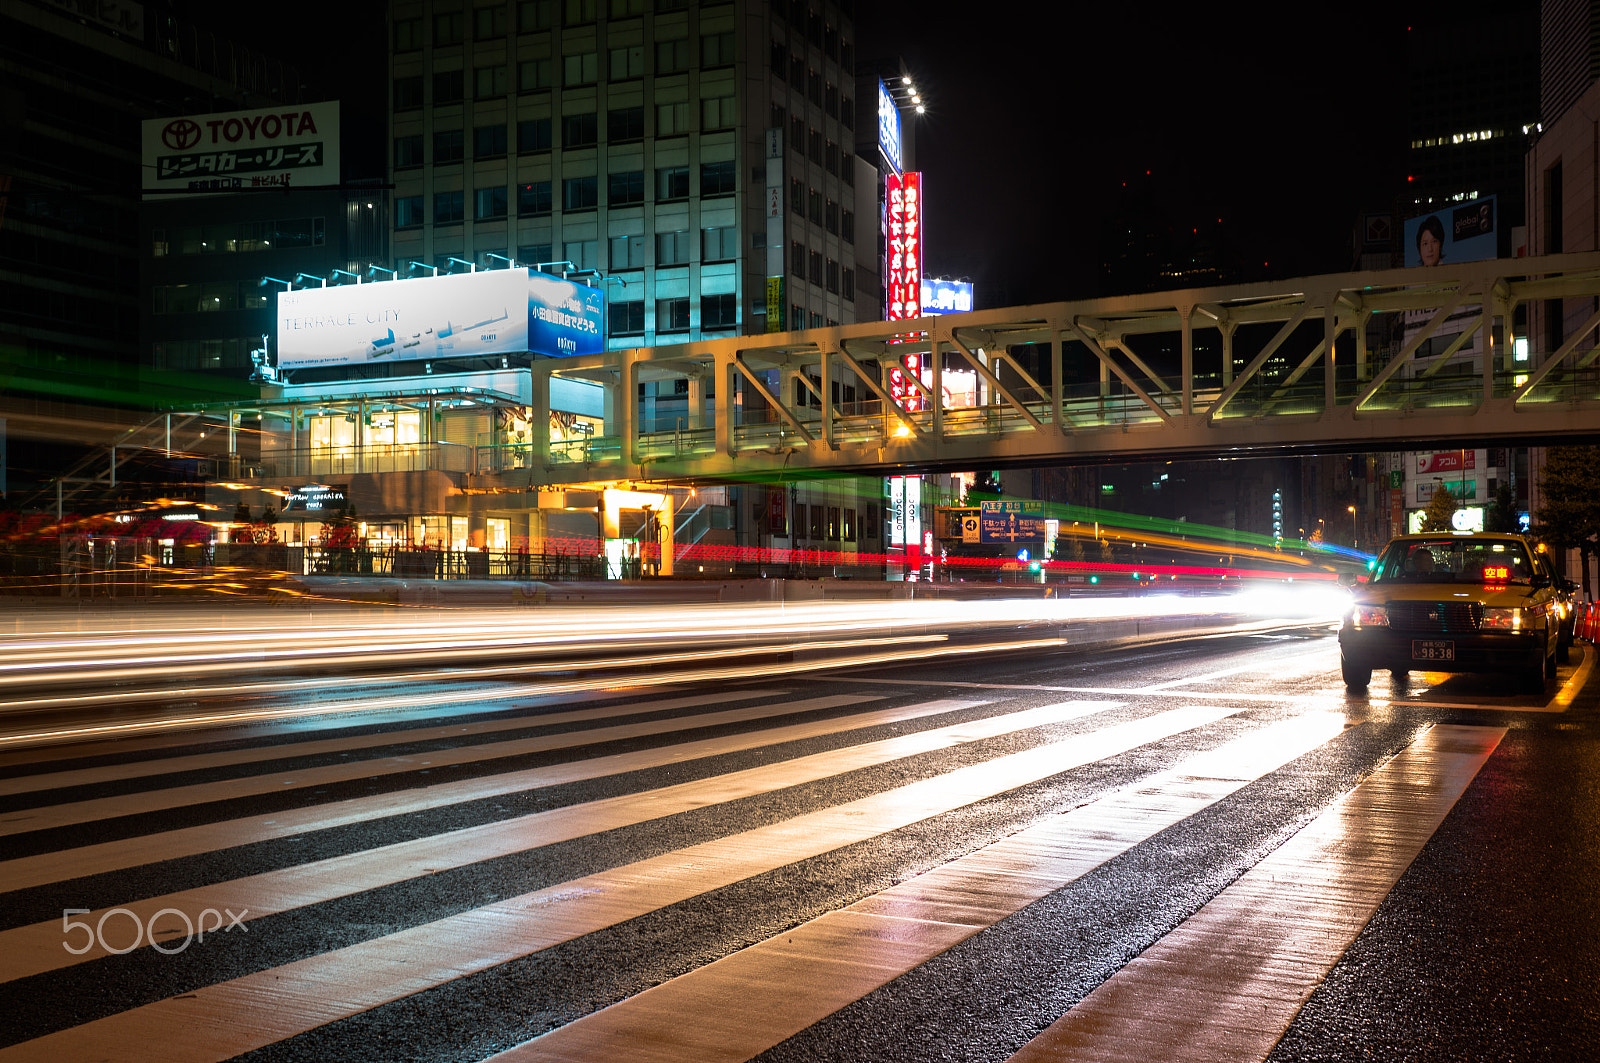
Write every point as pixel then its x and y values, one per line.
pixel 1390 359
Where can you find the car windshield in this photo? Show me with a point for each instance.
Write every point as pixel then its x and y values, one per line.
pixel 1454 560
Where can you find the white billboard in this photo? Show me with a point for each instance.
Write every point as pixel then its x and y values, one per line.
pixel 459 315
pixel 291 145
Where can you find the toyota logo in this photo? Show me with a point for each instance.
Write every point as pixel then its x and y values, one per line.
pixel 181 134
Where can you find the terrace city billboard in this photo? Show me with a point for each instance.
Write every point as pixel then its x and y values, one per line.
pixel 461 315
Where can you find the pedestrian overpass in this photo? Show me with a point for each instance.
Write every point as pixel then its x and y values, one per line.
pixel 1389 359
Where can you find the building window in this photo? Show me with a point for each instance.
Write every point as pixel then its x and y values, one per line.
pixel 449 27
pixel 816 268
pixel 797 134
pixel 779 60
pixel 623 189
pixel 580 130
pixel 797 72
pixel 580 193
pixel 797 196
pixel 797 318
pixel 533 199
pixel 489 141
pixel 447 146
pixel 717 178
pixel 672 57
pixel 716 49
pixel 534 75
pixel 407 212
pixel 847 117
pixel 624 124
pixel 830 98
pixel 408 35
pixel 797 258
pixel 816 141
pixel 833 276
pixel 489 23
pixel 536 15
pixel 849 528
pixel 719 244
pixel 582 12
pixel 849 284
pixel 447 87
pixel 817 525
pixel 672 119
pixel 583 69
pixel 847 225
pixel 447 208
pixel 408 151
pixel 672 182
pixel 718 113
pixel 533 134
pixel 719 311
pixel 489 203
pixel 626 8
pixel 630 252
pixel 830 216
pixel 489 81
pixel 625 319
pixel 535 255
pixel 815 199
pixel 672 249
pixel 672 315
pixel 408 93
pixel 816 319
pixel 833 522
pixel 626 63
pixel 583 254
pixel 830 156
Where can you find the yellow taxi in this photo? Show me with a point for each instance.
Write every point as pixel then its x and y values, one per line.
pixel 1454 602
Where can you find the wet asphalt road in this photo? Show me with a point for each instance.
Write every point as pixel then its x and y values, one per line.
pixel 1485 949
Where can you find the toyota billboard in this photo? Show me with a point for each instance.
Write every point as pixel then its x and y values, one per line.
pixel 461 315
pixel 294 145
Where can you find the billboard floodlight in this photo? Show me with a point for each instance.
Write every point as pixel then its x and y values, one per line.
pixel 511 263
pixel 347 273
pixel 424 265
pixel 288 285
pixel 310 276
pixel 569 265
pixel 371 269
pixel 472 267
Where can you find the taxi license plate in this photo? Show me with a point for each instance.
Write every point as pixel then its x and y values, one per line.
pixel 1430 650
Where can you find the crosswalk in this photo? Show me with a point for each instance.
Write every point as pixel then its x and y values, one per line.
pixel 708 874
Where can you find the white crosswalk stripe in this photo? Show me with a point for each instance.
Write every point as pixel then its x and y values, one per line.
pixel 712 792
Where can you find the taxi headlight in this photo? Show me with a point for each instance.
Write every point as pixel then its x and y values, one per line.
pixel 1369 616
pixel 1502 619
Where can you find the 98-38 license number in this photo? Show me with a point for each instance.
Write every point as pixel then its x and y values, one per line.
pixel 1432 650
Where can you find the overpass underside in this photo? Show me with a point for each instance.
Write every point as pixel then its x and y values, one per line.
pixel 1378 360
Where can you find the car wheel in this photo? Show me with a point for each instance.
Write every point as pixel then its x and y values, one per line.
pixel 1355 677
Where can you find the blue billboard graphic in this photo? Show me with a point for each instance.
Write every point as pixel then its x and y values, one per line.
pixel 1455 234
pixel 946 297
pixel 889 128
pixel 493 312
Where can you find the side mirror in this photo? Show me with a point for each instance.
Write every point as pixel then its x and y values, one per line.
pixel 1539 580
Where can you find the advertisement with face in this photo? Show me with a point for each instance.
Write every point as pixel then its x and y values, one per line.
pixel 1455 234
pixel 503 311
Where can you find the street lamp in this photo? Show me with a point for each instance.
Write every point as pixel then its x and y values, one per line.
pixel 1355 535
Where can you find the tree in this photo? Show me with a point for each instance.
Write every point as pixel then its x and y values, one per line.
pixel 1568 516
pixel 1502 512
pixel 1441 507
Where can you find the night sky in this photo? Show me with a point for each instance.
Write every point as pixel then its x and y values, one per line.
pixel 1036 119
